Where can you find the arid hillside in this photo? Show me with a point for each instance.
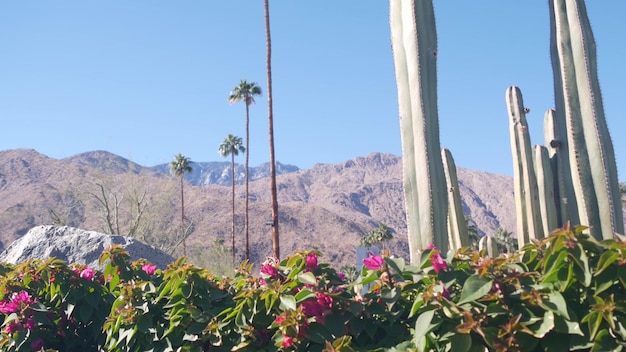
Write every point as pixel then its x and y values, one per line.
pixel 328 207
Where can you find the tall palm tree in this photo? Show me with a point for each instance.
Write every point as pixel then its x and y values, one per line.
pixel 270 118
pixel 178 167
pixel 232 146
pixel 245 92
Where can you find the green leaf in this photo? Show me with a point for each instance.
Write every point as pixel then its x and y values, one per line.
pixel 307 278
pixel 423 326
pixel 553 265
pixel 604 342
pixel 460 342
pixel 288 302
pixel 396 264
pixel 390 296
pixel 557 304
pixel 475 287
pixel 566 326
pixel 606 259
pixel 304 294
pixel 546 325
pixel 594 320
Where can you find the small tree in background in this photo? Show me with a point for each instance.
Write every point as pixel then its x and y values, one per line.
pixel 379 235
pixel 505 241
pixel 232 145
pixel 178 167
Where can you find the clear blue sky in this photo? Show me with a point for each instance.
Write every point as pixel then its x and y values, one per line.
pixel 149 79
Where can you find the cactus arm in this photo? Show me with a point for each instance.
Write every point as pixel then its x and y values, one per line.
pixel 545 187
pixel 592 165
pixel 458 235
pixel 525 183
pixel 557 146
pixel 414 44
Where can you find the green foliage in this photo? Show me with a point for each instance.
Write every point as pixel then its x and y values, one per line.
pixel 565 292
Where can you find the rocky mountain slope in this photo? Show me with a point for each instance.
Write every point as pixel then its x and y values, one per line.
pixel 328 207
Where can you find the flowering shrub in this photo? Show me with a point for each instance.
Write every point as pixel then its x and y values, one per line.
pixel 566 292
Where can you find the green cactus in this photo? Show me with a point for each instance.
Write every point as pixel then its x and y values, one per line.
pixel 489 245
pixel 414 44
pixel 565 207
pixel 529 225
pixel 545 187
pixel 581 123
pixel 458 235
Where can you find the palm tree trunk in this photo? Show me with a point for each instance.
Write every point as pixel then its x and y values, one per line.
pixel 182 215
pixel 232 155
pixel 247 173
pixel 270 117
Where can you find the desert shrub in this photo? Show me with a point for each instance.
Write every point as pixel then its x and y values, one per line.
pixel 563 293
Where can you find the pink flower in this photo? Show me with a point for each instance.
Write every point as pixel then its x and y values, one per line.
pixel 280 319
pixel 13 327
pixel 88 273
pixel 341 276
pixel 324 300
pixel 269 270
pixel 435 259
pixel 311 261
pixel 374 262
pixel 149 268
pixel 287 342
pixel 37 344
pixel 23 297
pixel 8 307
pixel 30 324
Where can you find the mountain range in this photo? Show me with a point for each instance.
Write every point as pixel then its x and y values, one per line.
pixel 328 206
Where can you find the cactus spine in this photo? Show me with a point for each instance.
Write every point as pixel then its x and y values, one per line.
pixel 458 235
pixel 414 44
pixel 593 172
pixel 529 225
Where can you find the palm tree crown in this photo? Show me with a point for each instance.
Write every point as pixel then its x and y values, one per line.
pixel 244 91
pixel 180 165
pixel 232 145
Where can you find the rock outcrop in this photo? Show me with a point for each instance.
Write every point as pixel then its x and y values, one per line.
pixel 74 245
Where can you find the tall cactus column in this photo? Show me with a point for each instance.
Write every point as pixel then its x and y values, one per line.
pixel 579 108
pixel 414 44
pixel 529 225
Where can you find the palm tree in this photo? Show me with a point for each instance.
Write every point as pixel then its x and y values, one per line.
pixel 178 167
pixel 232 146
pixel 245 92
pixel 270 118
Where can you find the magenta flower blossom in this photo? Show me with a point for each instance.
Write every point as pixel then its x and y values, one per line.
pixel 341 276
pixel 88 273
pixel 269 270
pixel 435 259
pixel 314 309
pixel 13 327
pixel 8 307
pixel 311 261
pixel 287 342
pixel 149 268
pixel 324 300
pixel 22 297
pixel 374 262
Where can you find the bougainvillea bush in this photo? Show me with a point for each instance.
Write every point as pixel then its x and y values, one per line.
pixel 566 292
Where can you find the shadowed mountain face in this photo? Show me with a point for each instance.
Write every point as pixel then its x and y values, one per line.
pixel 328 207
